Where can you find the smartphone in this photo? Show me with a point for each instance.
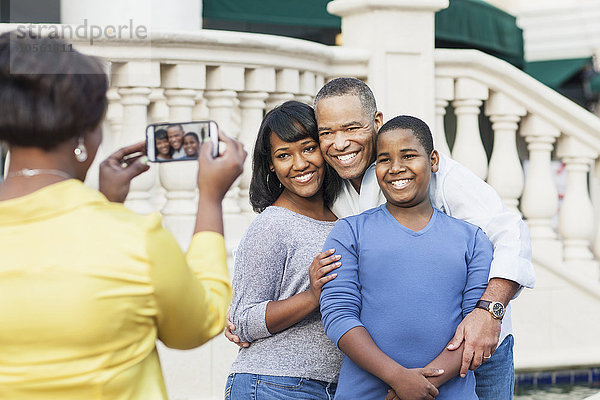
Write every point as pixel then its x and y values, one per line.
pixel 180 141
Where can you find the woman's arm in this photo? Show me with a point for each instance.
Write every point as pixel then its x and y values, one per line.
pixel 282 314
pixel 258 273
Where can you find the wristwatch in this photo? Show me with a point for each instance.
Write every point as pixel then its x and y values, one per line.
pixel 493 307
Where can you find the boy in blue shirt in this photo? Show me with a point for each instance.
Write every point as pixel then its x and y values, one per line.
pixel 409 274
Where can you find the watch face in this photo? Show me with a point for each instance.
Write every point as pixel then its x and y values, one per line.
pixel 498 310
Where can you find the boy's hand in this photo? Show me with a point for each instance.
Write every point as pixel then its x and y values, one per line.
pixel 322 264
pixel 413 384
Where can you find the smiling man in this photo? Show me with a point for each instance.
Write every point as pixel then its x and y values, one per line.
pixel 175 134
pixel 348 121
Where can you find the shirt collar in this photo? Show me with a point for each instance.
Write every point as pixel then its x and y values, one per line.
pixel 48 201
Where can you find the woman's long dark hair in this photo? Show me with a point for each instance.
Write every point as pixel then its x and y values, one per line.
pixel 290 121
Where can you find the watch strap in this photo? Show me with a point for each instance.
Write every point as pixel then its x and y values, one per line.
pixel 487 305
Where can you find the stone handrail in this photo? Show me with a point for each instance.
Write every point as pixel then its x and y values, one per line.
pixel 538 98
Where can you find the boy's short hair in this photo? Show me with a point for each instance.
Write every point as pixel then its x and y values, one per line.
pixel 192 134
pixel 419 128
pixel 349 86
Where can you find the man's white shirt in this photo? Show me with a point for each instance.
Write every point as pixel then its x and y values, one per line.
pixel 458 192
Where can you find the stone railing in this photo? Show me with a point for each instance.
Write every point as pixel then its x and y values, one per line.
pixel 531 122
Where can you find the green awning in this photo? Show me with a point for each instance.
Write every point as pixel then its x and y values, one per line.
pixel 595 84
pixel 464 24
pixel 479 25
pixel 555 73
pixel 285 12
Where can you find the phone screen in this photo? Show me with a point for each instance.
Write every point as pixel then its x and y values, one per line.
pixel 180 141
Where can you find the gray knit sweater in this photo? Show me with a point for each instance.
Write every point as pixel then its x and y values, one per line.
pixel 271 263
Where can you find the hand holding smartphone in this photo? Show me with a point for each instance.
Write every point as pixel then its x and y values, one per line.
pixel 180 141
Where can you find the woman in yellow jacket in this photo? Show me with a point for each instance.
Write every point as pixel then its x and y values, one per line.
pixel 87 286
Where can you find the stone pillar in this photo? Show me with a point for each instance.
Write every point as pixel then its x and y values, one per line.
pixel 576 219
pixel 222 85
pixel 444 93
pixel 252 104
pixel 287 85
pixel 539 203
pixel 158 111
pixel 505 171
pixel 400 36
pixel 307 88
pixel 134 81
pixel 468 148
pixel 114 119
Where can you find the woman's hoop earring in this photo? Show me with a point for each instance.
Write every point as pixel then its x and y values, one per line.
pixel 279 184
pixel 80 151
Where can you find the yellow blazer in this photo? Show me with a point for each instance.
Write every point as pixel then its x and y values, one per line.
pixel 87 286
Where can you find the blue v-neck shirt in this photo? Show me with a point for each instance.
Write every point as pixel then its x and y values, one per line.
pixel 409 289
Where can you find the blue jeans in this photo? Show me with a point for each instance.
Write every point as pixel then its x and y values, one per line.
pixel 268 387
pixel 496 377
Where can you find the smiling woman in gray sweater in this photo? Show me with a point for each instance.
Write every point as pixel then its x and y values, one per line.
pixel 279 269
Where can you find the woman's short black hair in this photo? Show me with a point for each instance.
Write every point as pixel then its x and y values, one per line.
pixel 290 121
pixel 48 95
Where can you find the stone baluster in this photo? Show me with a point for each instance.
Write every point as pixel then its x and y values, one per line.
pixel 159 110
pixel 287 84
pixel 444 93
pixel 134 81
pixel 539 202
pixel 468 148
pixel 114 120
pixel 179 178
pixel 595 195
pixel 222 85
pixel 258 82
pixel 320 81
pixel 307 88
pixel 505 173
pixel 576 218
pixel 200 111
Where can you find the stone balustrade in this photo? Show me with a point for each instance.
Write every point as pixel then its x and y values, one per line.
pixel 516 103
pixel 525 122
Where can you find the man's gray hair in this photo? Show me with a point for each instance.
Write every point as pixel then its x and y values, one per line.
pixel 349 86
